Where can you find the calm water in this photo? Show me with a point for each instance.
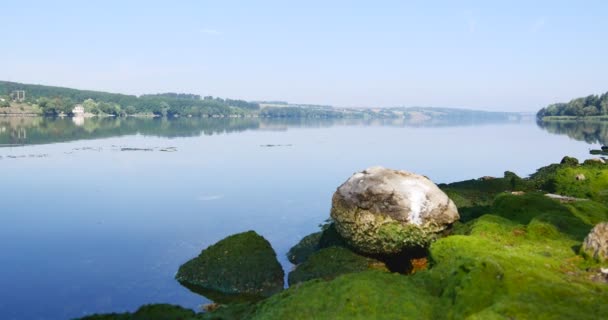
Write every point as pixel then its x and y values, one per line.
pixel 86 227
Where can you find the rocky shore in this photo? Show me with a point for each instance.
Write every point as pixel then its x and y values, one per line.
pixel 399 247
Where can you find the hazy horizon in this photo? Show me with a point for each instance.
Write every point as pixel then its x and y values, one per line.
pixel 514 56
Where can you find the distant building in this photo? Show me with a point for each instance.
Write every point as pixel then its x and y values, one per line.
pixel 18 95
pixel 78 110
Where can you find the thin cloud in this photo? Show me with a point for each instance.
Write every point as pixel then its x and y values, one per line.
pixel 538 25
pixel 210 197
pixel 211 32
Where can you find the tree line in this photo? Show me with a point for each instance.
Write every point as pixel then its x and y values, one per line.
pixel 57 100
pixel 593 105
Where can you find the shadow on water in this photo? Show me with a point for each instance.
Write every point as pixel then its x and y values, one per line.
pixel 18 131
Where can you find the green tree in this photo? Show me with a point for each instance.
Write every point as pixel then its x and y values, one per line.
pixel 130 110
pixel 89 105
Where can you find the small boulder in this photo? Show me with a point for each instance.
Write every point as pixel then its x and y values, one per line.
pixel 580 177
pixel 595 244
pixel 384 211
pixel 241 264
pixel 569 161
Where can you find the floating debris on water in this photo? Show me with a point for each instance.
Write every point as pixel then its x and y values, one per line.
pixel 136 149
pixel 88 149
pixel 22 156
pixel 275 145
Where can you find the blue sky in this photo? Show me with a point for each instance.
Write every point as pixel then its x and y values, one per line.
pixel 494 55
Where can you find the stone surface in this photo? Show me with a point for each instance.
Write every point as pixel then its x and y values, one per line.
pixel 580 177
pixel 596 243
pixel 241 264
pixel 384 211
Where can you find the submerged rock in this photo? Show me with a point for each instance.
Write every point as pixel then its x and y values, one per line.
pixel 596 243
pixel 383 211
pixel 241 264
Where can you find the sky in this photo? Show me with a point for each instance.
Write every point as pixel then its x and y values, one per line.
pixel 490 55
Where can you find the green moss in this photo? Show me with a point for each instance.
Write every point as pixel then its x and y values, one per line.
pixel 235 311
pixel 331 262
pixel 569 161
pixel 328 237
pixel 396 236
pixel 364 295
pixel 150 312
pixel 307 246
pixel 241 264
pixel 517 263
pixel 594 186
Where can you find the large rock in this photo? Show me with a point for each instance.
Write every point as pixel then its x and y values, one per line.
pixel 242 264
pixel 596 243
pixel 383 211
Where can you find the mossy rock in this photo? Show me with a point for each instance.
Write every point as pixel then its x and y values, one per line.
pixel 314 242
pixel 381 211
pixel 569 161
pixel 331 262
pixel 150 312
pixel 306 247
pixel 243 264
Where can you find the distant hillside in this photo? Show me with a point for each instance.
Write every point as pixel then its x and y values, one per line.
pixel 50 100
pixel 590 106
pixel 55 100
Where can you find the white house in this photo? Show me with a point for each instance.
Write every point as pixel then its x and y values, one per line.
pixel 78 110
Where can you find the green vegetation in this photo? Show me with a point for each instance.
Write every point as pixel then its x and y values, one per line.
pixel 57 100
pixel 590 106
pixel 53 101
pixel 150 312
pixel 243 264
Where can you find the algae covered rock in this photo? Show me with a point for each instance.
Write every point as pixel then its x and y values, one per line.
pixel 303 249
pixel 314 242
pixel 383 211
pixel 241 264
pixel 596 243
pixel 331 262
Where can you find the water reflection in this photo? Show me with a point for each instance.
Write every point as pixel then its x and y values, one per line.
pixel 592 132
pixel 16 131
